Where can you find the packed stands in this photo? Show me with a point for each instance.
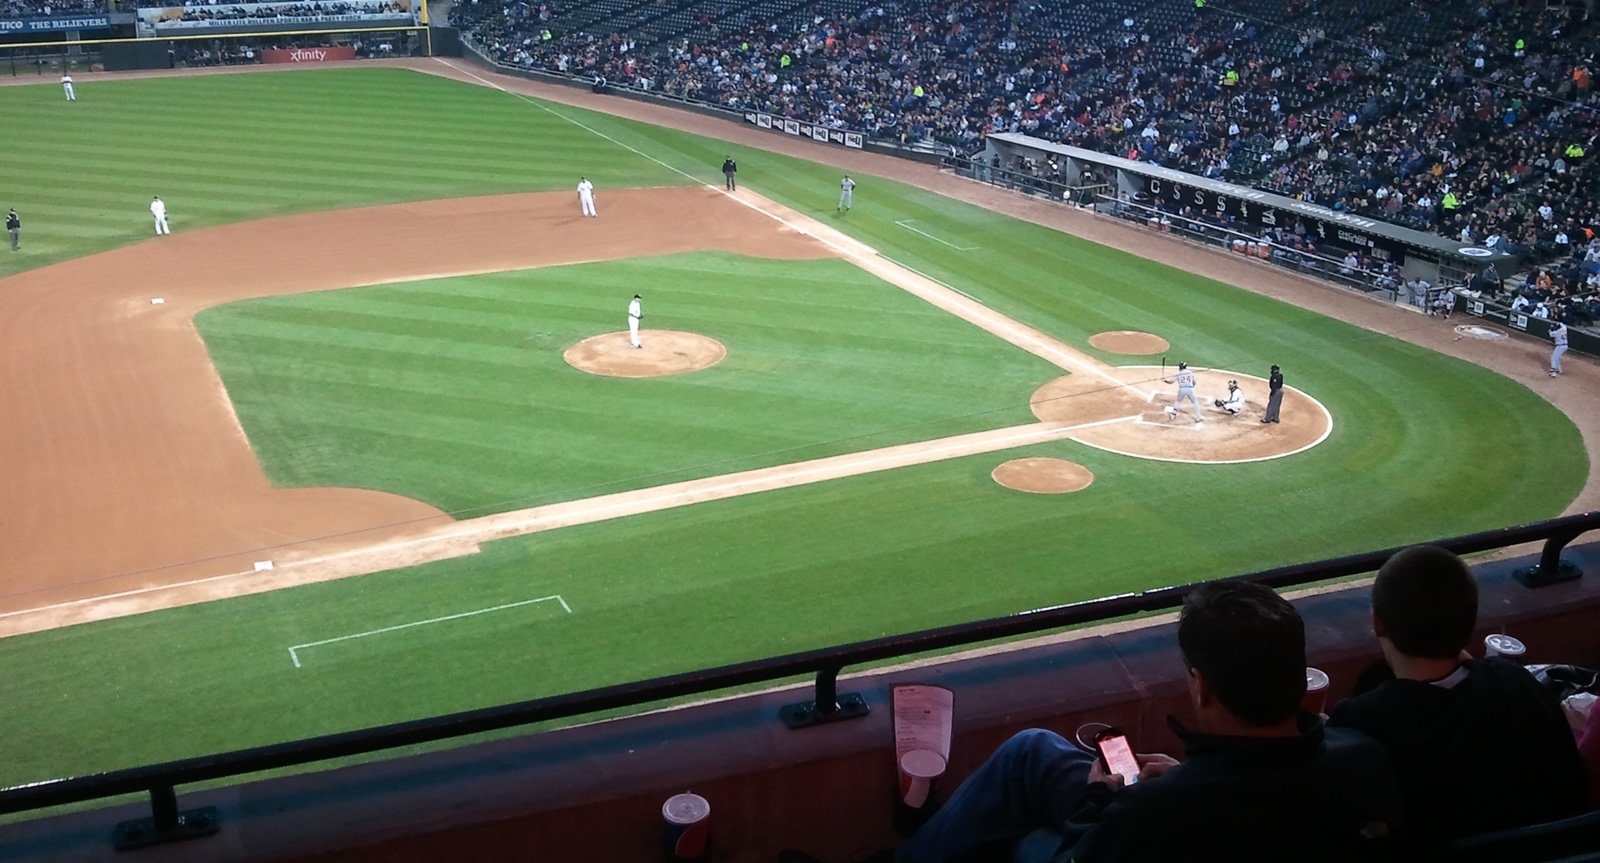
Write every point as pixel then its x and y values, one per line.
pixel 1471 118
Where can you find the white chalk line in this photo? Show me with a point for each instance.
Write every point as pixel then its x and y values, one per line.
pixel 906 223
pixel 984 318
pixel 294 655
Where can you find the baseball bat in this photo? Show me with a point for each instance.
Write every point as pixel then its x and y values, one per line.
pixel 1163 366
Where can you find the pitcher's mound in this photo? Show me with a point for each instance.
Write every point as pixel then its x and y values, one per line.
pixel 1129 342
pixel 1043 475
pixel 661 353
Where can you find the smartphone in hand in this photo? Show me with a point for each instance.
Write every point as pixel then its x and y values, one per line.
pixel 1117 756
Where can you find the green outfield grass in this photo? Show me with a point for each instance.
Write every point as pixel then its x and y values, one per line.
pixel 822 359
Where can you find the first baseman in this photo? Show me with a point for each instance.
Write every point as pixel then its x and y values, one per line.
pixel 158 210
pixel 847 191
pixel 635 315
pixel 66 86
pixel 1558 334
pixel 1185 381
pixel 586 196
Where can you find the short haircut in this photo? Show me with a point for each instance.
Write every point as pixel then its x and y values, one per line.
pixel 1427 602
pixel 1249 645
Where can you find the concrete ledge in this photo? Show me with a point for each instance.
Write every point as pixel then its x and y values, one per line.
pixel 593 793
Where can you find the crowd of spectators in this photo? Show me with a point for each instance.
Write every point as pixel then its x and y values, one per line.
pixel 197 12
pixel 1472 118
pixel 56 8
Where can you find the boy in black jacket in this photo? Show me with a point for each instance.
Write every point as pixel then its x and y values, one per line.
pixel 1480 746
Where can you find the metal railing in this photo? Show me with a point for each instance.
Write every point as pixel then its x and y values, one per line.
pixel 160 781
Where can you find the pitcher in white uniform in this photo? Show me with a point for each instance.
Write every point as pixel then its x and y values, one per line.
pixel 635 315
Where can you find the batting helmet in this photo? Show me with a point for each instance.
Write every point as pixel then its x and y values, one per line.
pixel 1182 366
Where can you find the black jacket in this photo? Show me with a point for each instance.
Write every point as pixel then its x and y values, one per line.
pixel 12 222
pixel 1311 798
pixel 1490 753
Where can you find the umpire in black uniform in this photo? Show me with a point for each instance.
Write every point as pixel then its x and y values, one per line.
pixel 730 173
pixel 1275 399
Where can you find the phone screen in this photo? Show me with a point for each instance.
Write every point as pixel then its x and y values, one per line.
pixel 1119 758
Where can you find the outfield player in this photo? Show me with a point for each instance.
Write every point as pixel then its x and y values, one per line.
pixel 1558 334
pixel 66 86
pixel 635 315
pixel 1233 403
pixel 586 196
pixel 14 228
pixel 158 211
pixel 1185 381
pixel 847 191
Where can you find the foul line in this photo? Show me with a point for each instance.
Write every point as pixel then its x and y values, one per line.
pixel 294 655
pixel 983 317
pixel 907 225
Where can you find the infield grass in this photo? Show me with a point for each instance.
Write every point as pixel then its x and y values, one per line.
pixel 1424 445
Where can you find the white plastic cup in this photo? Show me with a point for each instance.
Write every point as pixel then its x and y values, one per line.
pixel 687 831
pixel 1316 698
pixel 1503 645
pixel 919 769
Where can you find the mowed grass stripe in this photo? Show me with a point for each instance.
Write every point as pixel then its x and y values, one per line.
pixel 453 368
pixel 1425 446
pixel 225 150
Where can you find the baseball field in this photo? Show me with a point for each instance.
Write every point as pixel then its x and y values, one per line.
pixel 364 440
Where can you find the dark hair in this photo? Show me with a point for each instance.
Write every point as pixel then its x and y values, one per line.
pixel 1249 644
pixel 1427 601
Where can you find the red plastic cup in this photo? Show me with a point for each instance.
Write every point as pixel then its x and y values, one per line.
pixel 919 769
pixel 688 826
pixel 1316 698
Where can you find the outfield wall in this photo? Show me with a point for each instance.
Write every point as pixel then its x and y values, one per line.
pixel 594 792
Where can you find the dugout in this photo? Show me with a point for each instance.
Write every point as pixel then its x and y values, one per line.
pixel 1419 254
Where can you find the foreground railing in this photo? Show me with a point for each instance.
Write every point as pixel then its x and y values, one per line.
pixel 160 781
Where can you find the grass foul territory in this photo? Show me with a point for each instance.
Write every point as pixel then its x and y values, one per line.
pixel 453 391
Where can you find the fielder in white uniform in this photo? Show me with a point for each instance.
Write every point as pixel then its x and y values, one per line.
pixel 158 210
pixel 1233 403
pixel 586 196
pixel 1558 334
pixel 847 191
pixel 1185 380
pixel 635 315
pixel 66 85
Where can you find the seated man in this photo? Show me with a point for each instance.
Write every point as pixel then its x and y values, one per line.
pixel 1443 303
pixel 1460 730
pixel 1234 402
pixel 1264 781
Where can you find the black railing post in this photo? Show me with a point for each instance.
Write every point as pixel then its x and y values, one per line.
pixel 166 823
pixel 827 705
pixel 1551 569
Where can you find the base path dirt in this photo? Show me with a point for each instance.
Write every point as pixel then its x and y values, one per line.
pixel 660 353
pixel 1043 475
pixel 1129 342
pixel 1520 358
pixel 117 427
